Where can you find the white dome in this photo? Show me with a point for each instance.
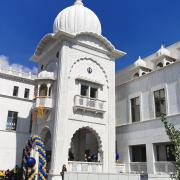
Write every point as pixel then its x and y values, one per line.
pixel 76 19
pixel 163 51
pixel 140 62
pixel 46 75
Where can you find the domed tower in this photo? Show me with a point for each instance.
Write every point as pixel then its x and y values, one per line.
pixel 77 67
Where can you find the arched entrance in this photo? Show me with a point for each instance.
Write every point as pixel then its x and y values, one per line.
pixel 46 136
pixel 85 146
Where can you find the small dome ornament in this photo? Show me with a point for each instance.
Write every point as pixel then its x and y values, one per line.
pixel 163 51
pixel 78 2
pixel 140 62
pixel 46 75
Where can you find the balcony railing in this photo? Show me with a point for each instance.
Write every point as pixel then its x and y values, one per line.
pixel 89 104
pixel 138 167
pixel 120 168
pixel 165 167
pixel 42 101
pixel 77 166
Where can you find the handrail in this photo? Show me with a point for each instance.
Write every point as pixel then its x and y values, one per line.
pixel 95 99
pixel 83 162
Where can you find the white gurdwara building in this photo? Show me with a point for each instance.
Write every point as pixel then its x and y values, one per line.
pixel 76 95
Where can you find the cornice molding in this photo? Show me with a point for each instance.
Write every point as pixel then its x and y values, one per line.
pixel 17 78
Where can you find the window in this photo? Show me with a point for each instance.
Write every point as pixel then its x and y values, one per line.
pixel 169 152
pixel 136 75
pixel 50 91
pixel 160 102
pixel 15 91
pixel 89 91
pixel 135 109
pixel 84 90
pixel 93 92
pixel 160 65
pixel 138 153
pixel 164 152
pixel 43 90
pixel 12 120
pixel 26 93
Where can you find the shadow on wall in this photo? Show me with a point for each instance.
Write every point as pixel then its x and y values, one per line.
pixel 22 135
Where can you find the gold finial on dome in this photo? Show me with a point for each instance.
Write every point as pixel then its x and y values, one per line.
pixel 78 2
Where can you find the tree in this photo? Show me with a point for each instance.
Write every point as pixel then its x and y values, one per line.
pixel 174 137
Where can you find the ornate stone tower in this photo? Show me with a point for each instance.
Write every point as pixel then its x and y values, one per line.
pixel 76 90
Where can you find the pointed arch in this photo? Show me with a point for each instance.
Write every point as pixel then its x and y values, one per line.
pixel 89 59
pixel 85 142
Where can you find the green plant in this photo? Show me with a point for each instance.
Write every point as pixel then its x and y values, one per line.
pixel 174 137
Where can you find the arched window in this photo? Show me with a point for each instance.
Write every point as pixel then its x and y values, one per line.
pixel 43 90
pixel 160 65
pixel 136 75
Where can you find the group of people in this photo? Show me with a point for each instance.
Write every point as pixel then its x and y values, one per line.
pixel 90 158
pixel 14 174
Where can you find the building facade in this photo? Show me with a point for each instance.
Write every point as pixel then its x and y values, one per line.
pixel 145 91
pixel 16 94
pixel 71 102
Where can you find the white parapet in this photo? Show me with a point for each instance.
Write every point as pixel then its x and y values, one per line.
pixel 43 101
pixel 120 168
pixel 77 166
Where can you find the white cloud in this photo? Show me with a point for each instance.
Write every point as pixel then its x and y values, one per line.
pixel 4 62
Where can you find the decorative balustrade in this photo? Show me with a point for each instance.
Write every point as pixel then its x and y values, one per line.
pixel 138 167
pixel 77 166
pixel 120 168
pixel 89 104
pixel 11 71
pixel 43 102
pixel 165 167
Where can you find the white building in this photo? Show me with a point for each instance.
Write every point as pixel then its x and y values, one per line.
pixel 144 91
pixel 16 94
pixel 71 102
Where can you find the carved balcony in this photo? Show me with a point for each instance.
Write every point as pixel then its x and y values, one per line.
pixel 43 101
pixel 89 104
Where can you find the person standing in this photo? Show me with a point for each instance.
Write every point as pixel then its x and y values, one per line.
pixel 64 169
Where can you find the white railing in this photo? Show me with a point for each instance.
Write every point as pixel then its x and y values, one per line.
pixel 11 71
pixel 89 104
pixel 42 102
pixel 77 166
pixel 120 168
pixel 138 167
pixel 165 167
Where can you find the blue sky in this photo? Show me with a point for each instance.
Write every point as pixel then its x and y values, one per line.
pixel 137 27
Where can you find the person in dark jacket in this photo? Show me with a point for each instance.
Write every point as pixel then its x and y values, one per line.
pixel 64 169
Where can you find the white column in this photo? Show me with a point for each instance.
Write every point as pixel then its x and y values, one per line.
pixel 35 155
pixel 111 121
pixel 150 158
pixel 48 88
pixel 38 90
pixel 59 149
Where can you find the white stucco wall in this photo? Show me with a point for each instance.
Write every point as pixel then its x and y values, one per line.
pixel 149 130
pixel 13 142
